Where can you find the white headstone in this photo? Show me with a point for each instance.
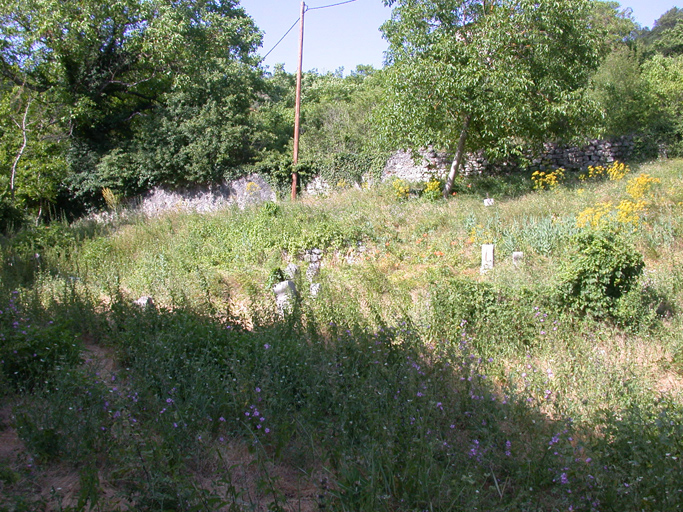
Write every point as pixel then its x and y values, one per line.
pixel 486 257
pixel 285 296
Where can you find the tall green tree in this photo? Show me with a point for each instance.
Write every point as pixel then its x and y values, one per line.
pixel 166 83
pixel 198 130
pixel 486 73
pixel 336 126
pixel 666 36
pixel 614 23
pixel 664 76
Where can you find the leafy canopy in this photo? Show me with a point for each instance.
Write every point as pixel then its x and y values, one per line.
pixel 513 68
pixel 144 91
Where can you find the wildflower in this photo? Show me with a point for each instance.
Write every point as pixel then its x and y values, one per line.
pixel 563 479
pixel 475 448
pixel 266 346
pixel 222 419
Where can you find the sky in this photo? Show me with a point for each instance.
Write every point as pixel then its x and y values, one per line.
pixel 348 34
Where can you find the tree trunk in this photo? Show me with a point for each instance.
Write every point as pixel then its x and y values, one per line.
pixel 24 131
pixel 455 166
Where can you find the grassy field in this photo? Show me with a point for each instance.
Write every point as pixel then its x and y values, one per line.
pixel 411 382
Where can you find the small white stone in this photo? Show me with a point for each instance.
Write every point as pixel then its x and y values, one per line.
pixel 292 271
pixel 285 296
pixel 144 302
pixel 487 257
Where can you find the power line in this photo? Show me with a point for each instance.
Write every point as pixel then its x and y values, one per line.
pixel 297 21
pixel 332 5
pixel 276 44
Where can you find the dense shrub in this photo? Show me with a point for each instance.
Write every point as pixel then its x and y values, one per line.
pixel 604 269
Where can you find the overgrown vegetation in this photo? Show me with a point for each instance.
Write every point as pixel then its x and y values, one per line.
pixel 411 379
pixel 138 97
pixel 410 382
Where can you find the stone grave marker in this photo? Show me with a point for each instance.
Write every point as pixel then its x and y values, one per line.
pixel 487 251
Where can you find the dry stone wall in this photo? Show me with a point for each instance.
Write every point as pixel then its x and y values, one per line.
pixel 435 163
pixel 248 190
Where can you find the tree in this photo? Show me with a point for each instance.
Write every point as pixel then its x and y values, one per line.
pixel 146 91
pixel 486 73
pixel 665 78
pixel 198 130
pixel 623 95
pixel 31 148
pixel 336 132
pixel 336 129
pixel 666 36
pixel 617 26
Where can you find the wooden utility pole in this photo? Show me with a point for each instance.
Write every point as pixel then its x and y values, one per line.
pixel 297 112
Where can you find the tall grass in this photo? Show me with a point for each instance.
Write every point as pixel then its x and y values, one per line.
pixel 411 382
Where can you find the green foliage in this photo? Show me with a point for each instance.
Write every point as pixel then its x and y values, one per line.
pixel 624 95
pixel 616 23
pixel 517 318
pixel 336 127
pixel 666 36
pixel 11 217
pixel 664 76
pixel 642 434
pixel 128 95
pixel 69 418
pixel 472 68
pixel 605 268
pixel 31 349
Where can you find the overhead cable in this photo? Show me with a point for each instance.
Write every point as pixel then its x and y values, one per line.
pixel 286 33
pixel 297 21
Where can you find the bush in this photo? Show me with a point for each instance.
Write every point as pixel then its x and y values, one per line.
pixel 606 267
pixel 11 217
pixel 30 349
